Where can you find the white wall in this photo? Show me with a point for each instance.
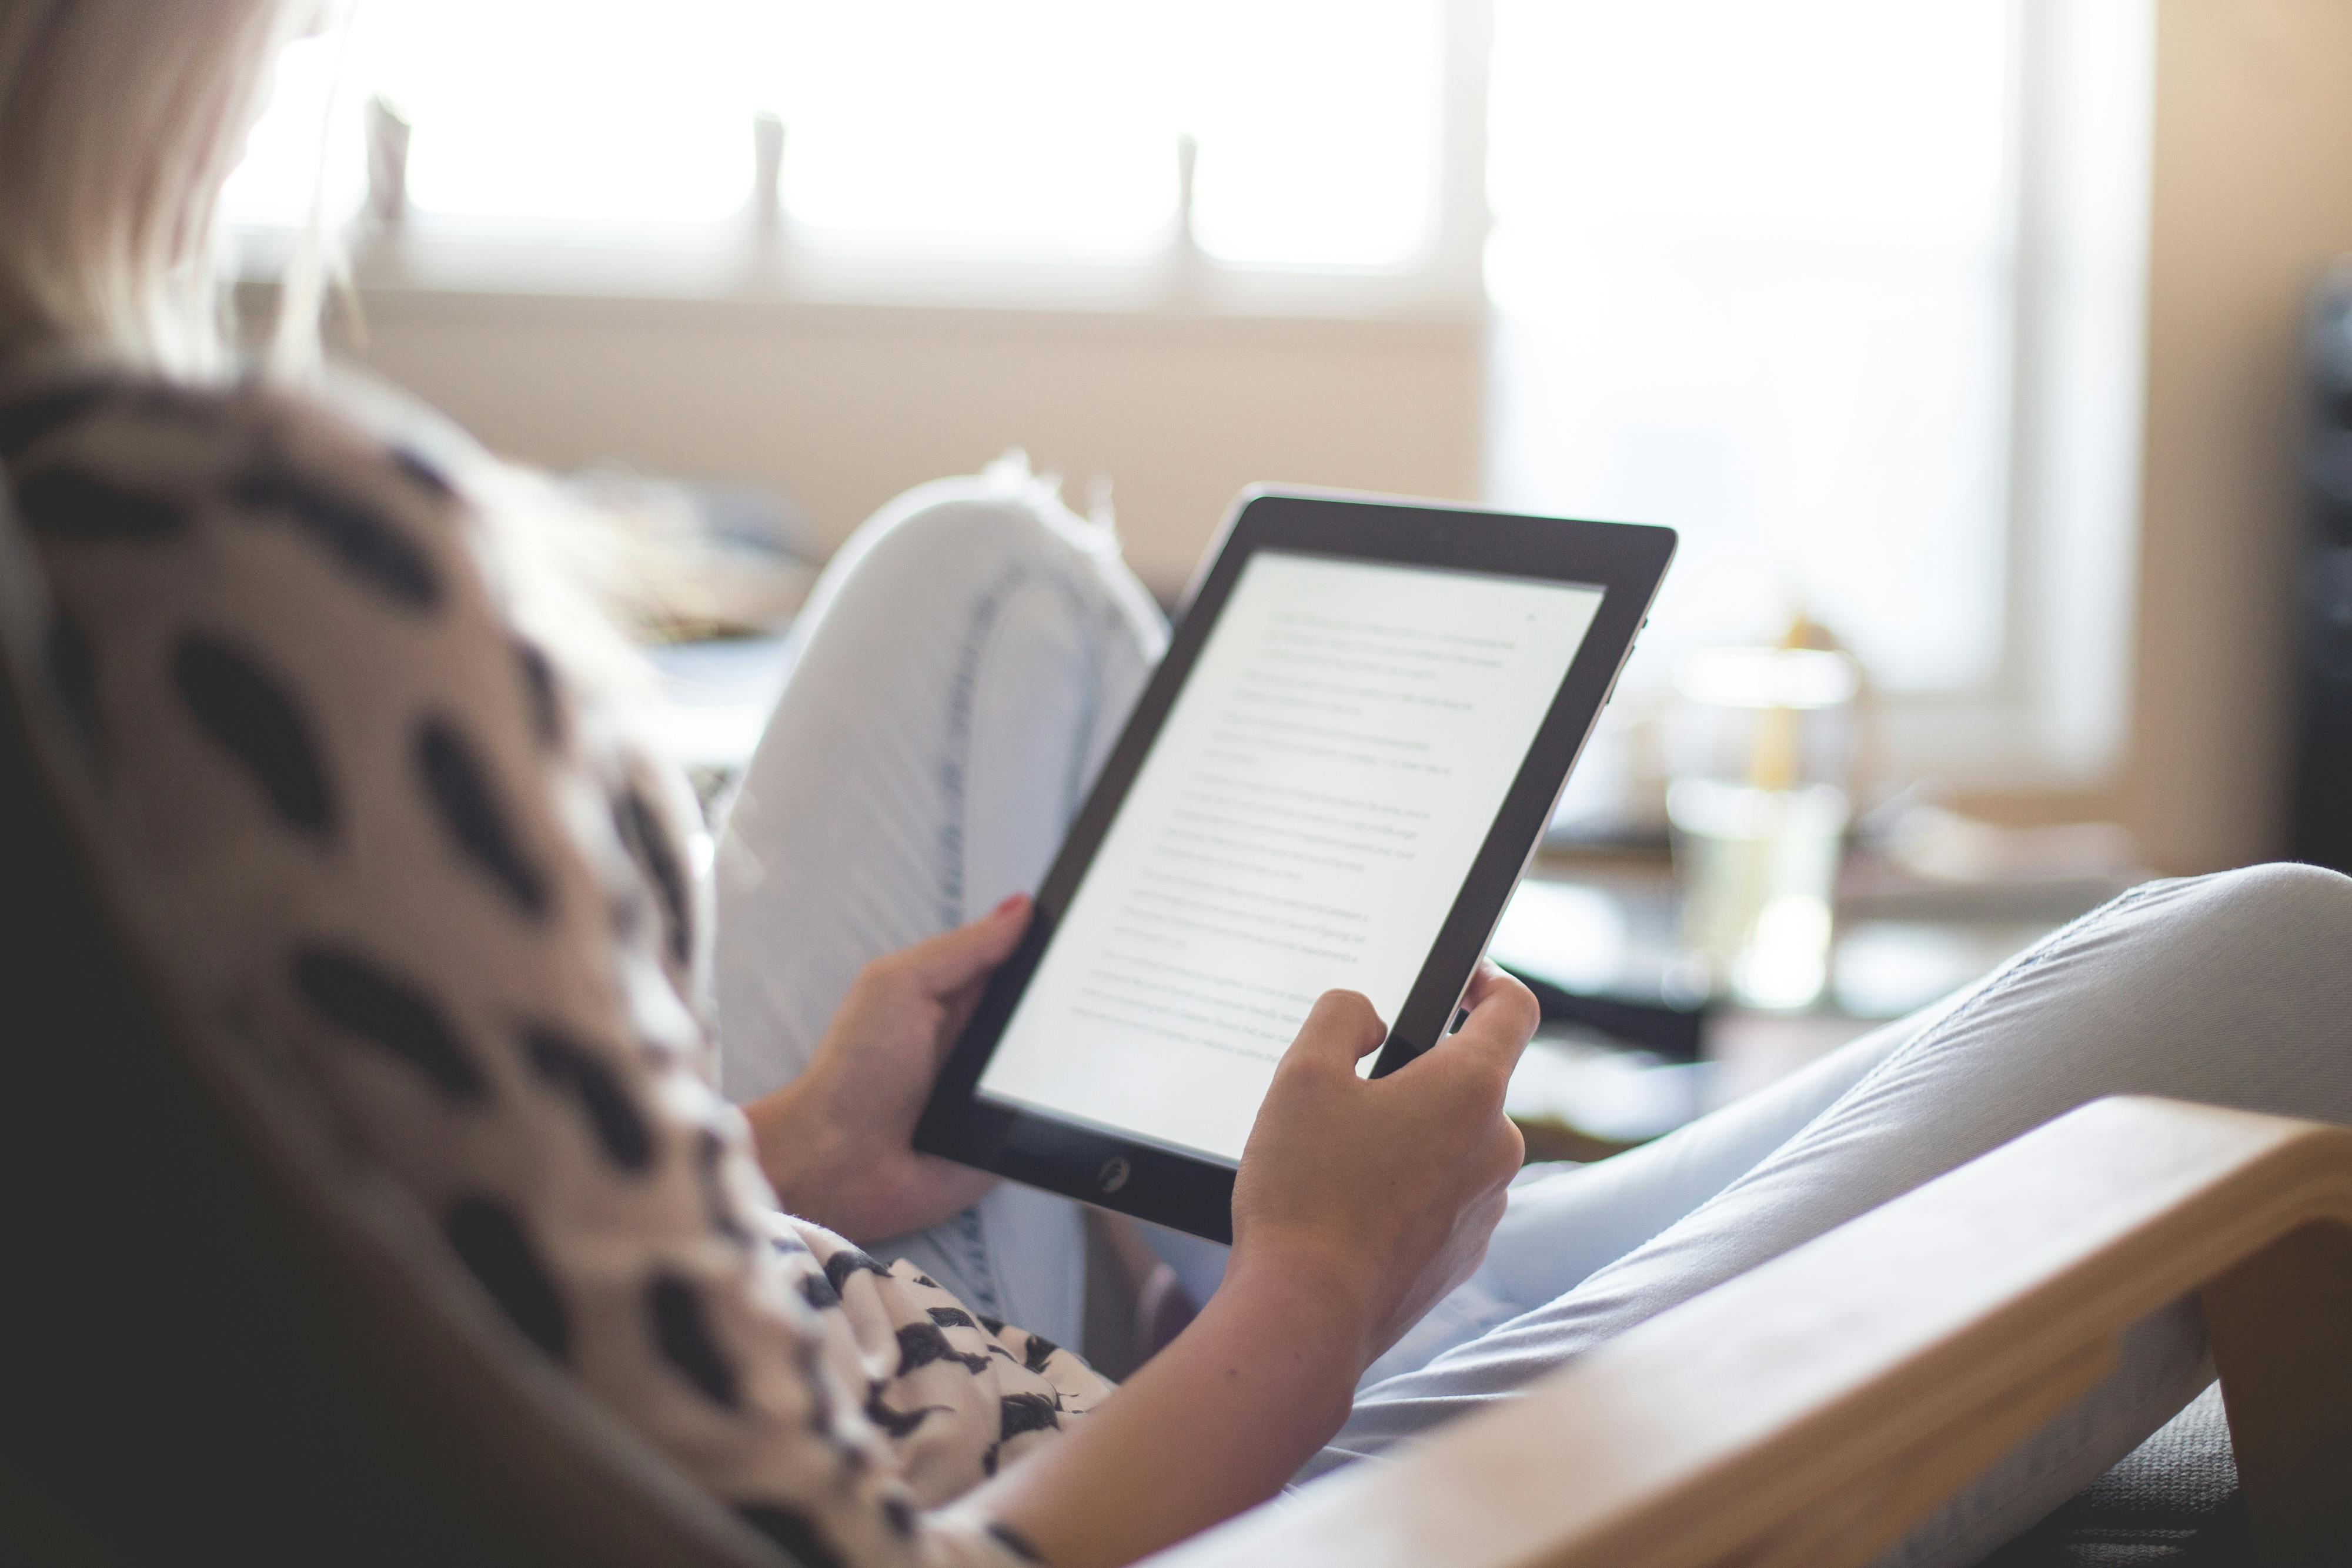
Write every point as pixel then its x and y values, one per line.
pixel 843 406
pixel 2253 196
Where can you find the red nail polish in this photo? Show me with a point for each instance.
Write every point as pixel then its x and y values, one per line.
pixel 1012 902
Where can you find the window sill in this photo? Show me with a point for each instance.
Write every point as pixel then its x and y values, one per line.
pixel 726 270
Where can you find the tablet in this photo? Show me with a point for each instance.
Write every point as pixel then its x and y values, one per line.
pixel 1333 781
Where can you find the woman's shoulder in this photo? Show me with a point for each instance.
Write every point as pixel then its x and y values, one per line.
pixel 97 452
pixel 349 534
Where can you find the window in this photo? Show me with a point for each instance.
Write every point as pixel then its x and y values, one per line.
pixel 1852 295
pixel 1754 268
pixel 285 171
pixel 1846 291
pixel 1051 128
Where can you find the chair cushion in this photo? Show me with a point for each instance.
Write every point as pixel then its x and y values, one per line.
pixel 2173 1500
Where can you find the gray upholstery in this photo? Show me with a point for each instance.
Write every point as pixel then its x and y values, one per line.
pixel 2173 1500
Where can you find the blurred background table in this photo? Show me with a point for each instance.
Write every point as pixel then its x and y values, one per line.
pixel 1634 1043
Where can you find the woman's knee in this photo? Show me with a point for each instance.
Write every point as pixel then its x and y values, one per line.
pixel 978 531
pixel 2229 989
pixel 990 564
pixel 964 527
pixel 2283 908
pixel 2233 989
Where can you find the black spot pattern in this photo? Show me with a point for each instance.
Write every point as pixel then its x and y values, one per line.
pixel 373 551
pixel 1016 1542
pixel 898 1513
pixel 422 474
pixel 620 1131
pixel 683 1332
pixel 847 1262
pixel 818 1292
pixel 793 1532
pixel 921 1344
pixel 1037 1352
pixel 993 1325
pixel 951 1317
pixel 73 670
pixel 896 1423
pixel 641 830
pixel 819 1411
pixel 1021 1413
pixel 540 691
pixel 250 715
pixel 460 789
pixel 494 1249
pixel 23 423
pixel 717 1203
pixel 65 504
pixel 361 999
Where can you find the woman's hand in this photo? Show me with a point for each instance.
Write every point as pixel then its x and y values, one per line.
pixel 1383 1191
pixel 1359 1203
pixel 837 1141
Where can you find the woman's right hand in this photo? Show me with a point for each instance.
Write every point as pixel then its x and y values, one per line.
pixel 1359 1203
pixel 1383 1191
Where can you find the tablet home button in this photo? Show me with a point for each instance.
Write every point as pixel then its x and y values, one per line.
pixel 1114 1174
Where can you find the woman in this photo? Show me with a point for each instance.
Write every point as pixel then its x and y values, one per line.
pixel 333 748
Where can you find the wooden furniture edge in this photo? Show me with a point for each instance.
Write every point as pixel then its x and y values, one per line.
pixel 1816 1409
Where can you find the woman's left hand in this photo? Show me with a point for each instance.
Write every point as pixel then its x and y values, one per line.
pixel 837 1141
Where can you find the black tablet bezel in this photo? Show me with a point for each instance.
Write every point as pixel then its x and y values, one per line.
pixel 1194 1192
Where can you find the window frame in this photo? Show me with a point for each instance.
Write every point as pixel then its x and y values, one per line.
pixel 2054 717
pixel 760 255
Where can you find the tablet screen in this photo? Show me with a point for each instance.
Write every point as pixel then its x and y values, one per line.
pixel 1303 821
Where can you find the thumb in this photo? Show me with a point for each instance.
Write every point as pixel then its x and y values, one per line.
pixel 955 958
pixel 1340 1029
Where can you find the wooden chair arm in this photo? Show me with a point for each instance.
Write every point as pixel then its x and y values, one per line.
pixel 1816 1409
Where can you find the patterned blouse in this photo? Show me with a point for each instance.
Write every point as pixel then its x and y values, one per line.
pixel 394 841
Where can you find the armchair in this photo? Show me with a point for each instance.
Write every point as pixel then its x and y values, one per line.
pixel 288 1366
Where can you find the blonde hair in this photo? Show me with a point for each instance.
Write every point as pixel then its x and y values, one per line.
pixel 119 121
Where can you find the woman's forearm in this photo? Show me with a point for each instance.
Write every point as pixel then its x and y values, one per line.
pixel 1213 1425
pixel 801 1151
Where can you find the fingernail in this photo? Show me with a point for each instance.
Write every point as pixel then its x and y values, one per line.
pixel 1012 902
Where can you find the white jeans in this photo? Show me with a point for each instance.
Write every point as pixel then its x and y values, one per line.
pixel 964 666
